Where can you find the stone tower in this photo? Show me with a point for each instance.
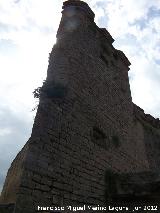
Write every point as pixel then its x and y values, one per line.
pixel 84 124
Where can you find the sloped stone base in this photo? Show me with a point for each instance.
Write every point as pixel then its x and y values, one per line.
pixel 7 208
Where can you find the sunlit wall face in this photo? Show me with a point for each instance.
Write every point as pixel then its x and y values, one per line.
pixel 72 21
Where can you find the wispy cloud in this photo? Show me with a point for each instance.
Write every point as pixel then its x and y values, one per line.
pixel 27 34
pixel 14 131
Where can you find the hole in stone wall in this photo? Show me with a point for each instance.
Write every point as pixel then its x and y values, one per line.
pixel 98 134
pixel 100 138
pixel 116 141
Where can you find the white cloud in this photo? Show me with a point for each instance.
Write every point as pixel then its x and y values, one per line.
pixel 27 34
pixel 5 131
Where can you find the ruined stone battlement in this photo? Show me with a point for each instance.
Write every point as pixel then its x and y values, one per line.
pixel 79 5
pixel 139 114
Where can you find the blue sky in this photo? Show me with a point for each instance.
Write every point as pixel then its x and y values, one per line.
pixel 27 35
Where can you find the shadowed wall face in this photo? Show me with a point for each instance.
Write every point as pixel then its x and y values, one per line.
pixel 84 122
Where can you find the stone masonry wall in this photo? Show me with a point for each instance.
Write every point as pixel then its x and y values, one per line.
pixel 150 131
pixel 84 123
pixel 14 175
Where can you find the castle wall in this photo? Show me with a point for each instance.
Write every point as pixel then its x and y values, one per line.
pixel 12 183
pixel 150 137
pixel 84 123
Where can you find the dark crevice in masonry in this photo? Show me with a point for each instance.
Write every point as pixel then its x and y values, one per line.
pixel 116 141
pixel 39 182
pixel 98 133
pixel 26 187
pixel 99 138
pixel 41 190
